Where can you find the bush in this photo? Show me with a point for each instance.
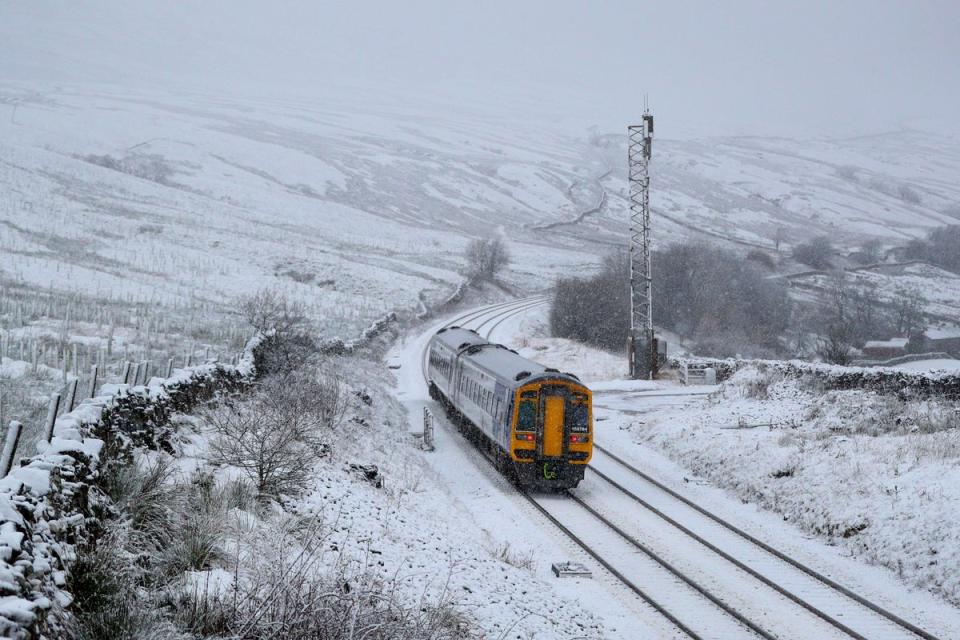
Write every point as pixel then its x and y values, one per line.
pixel 151 167
pixel 287 344
pixel 288 594
pixel 942 248
pixel 109 604
pixel 762 258
pixel 486 257
pixel 711 295
pixel 277 436
pixel 595 310
pixel 815 253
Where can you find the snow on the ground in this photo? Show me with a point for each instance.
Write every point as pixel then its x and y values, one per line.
pixel 802 469
pixel 871 474
pixel 936 364
pixel 441 528
pixel 525 332
pixel 478 501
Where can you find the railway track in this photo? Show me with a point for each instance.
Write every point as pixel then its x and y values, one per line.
pixel 724 583
pixel 843 609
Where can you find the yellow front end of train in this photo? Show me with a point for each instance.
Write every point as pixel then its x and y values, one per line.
pixel 552 432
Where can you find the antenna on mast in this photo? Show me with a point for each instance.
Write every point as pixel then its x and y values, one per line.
pixel 643 347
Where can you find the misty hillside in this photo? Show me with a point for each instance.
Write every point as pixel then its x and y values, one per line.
pixel 377 199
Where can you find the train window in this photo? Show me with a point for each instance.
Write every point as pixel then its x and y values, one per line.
pixel 579 418
pixel 527 416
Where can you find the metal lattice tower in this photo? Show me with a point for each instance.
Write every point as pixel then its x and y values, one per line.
pixel 643 347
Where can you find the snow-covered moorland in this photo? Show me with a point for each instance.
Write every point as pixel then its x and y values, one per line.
pixel 875 474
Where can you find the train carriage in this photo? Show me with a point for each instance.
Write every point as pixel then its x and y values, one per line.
pixel 533 421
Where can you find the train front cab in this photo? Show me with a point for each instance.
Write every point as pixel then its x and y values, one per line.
pixel 552 435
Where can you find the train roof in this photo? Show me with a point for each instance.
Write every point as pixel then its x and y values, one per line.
pixel 496 358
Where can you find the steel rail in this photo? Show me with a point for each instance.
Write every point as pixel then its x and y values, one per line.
pixel 726 556
pixel 504 311
pixel 892 617
pixel 693 584
pixel 472 315
pixel 505 318
pixel 613 571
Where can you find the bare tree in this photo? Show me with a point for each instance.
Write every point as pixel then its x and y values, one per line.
pixel 908 305
pixel 836 345
pixel 815 253
pixel 870 252
pixel 276 437
pixel 486 257
pixel 270 312
pixel 287 343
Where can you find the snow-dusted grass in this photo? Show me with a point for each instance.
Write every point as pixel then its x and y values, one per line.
pixel 875 474
pixel 339 548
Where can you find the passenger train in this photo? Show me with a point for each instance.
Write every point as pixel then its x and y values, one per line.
pixel 535 423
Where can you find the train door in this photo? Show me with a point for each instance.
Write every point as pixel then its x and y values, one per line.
pixel 552 409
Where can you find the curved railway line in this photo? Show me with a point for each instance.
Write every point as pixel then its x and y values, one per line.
pixel 682 590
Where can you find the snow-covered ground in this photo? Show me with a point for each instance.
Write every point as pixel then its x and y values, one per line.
pixel 169 196
pixel 800 484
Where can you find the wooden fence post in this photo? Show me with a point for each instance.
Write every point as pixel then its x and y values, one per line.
pixel 146 372
pixel 126 373
pixel 51 417
pixel 72 395
pixel 10 447
pixel 93 381
pixel 169 368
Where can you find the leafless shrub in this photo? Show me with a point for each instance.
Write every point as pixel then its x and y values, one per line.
pixel 908 194
pixel 272 313
pixel 758 386
pixel 151 229
pixel 275 460
pixel 486 257
pixel 836 346
pixel 277 436
pixel 816 252
pixel 762 258
pixel 302 277
pixel 307 399
pixel 287 345
pixel 294 594
pixel 848 172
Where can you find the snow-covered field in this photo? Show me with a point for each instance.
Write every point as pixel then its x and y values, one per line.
pixel 169 197
pixel 162 195
pixel 695 440
pixel 873 475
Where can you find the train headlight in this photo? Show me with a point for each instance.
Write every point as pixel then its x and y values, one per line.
pixel 579 439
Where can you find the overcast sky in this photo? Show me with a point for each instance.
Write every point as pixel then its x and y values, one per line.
pixel 709 67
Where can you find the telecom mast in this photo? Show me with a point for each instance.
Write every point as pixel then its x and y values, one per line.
pixel 642 343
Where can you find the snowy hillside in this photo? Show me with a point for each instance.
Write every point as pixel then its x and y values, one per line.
pixel 167 195
pixel 892 187
pixel 171 196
